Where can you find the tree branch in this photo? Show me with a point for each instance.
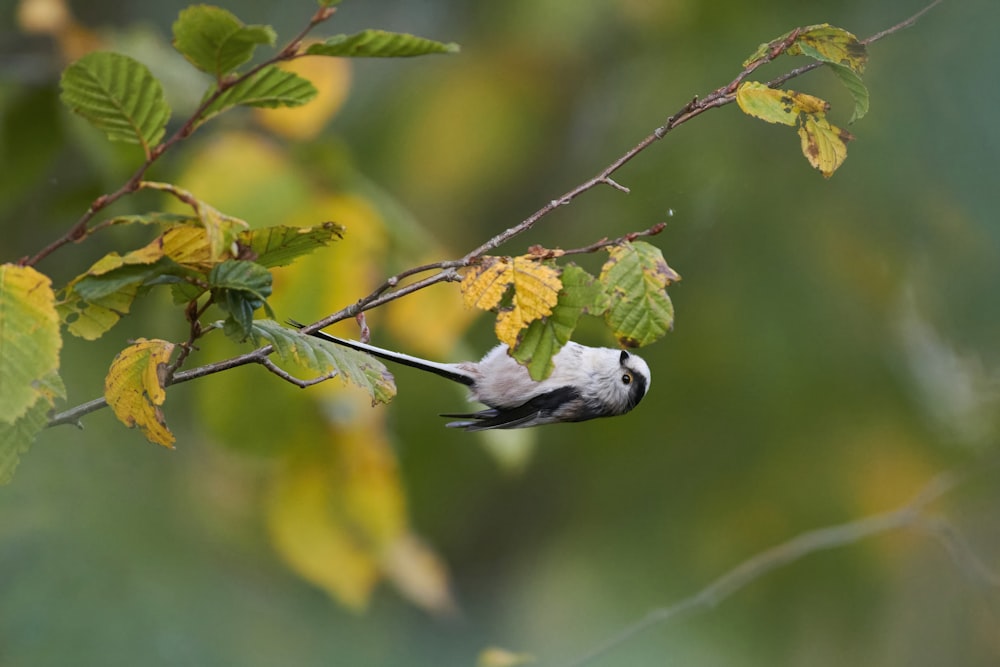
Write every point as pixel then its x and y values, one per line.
pixel 908 516
pixel 446 271
pixel 81 229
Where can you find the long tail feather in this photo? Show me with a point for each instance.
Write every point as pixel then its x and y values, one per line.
pixel 450 371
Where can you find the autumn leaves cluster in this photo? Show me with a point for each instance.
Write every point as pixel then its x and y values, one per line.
pixel 538 304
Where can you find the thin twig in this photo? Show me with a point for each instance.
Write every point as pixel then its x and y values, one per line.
pixel 288 377
pixel 909 515
pixel 542 253
pixel 960 550
pixel 73 415
pixel 902 25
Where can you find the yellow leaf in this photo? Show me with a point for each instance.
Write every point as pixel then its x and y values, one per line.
pixel 536 290
pixel 29 337
pixel 134 388
pixel 332 78
pixel 220 229
pixel 823 144
pixel 501 657
pixel 484 286
pixel 145 255
pixel 307 534
pixel 188 245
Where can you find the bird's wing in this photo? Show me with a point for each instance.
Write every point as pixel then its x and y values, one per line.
pixel 536 410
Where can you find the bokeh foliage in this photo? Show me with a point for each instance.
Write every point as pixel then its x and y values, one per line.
pixel 834 347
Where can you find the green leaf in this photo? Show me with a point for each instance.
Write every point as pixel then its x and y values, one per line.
pixel 215 41
pixel 581 294
pixel 118 95
pixel 635 277
pixel 271 87
pixel 329 3
pixel 242 276
pixel 92 288
pixel 183 293
pixel 280 245
pixel 29 339
pixel 358 368
pixel 240 287
pixel 379 44
pixel 856 87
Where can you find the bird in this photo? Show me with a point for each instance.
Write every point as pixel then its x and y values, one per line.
pixel 585 383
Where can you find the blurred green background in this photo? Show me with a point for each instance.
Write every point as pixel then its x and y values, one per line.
pixel 835 347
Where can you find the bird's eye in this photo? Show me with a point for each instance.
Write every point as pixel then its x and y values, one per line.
pixel 627 378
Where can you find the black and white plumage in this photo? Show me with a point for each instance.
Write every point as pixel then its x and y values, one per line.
pixel 586 383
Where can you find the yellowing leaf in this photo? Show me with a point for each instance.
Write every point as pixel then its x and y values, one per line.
pixel 775 105
pixel 823 42
pixel 535 285
pixel 92 319
pixel 188 245
pixel 282 244
pixel 113 260
pixel 830 44
pixel 134 388
pixel 332 78
pixel 29 338
pixel 220 229
pixel 823 144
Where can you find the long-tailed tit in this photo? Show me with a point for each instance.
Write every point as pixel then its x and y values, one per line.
pixel 586 383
